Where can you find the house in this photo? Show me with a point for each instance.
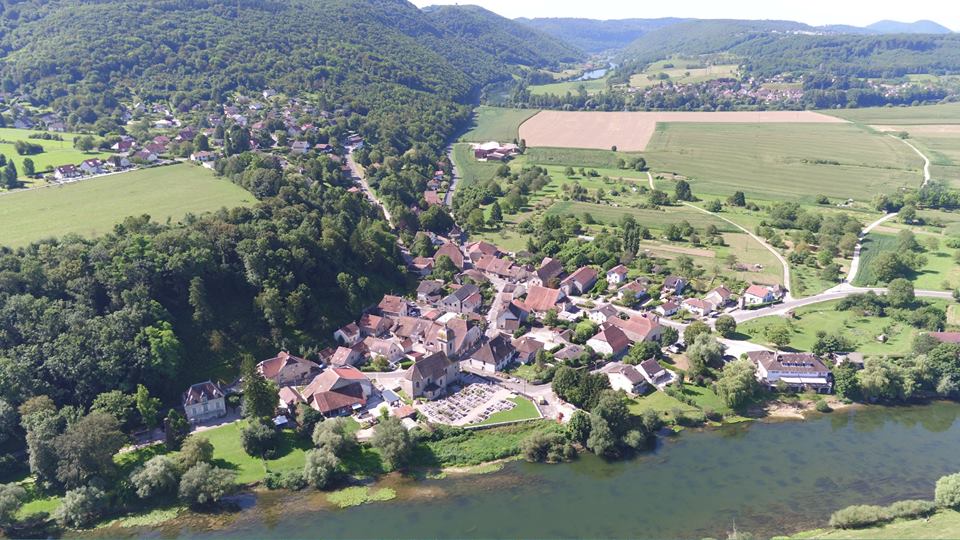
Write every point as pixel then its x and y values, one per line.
pixel 290 398
pixel 549 270
pixel 430 377
pixel 655 374
pixel 527 349
pixel 580 281
pixel 452 251
pixel 348 356
pixel 385 348
pixel 601 314
pixel 502 268
pixel 697 306
pixel 624 377
pixel 299 147
pixel 340 402
pixel 348 335
pixel 668 309
pixel 286 369
pixel 493 355
pixel 204 401
pixel 639 327
pixel 91 166
pixel 337 390
pixel 719 296
pixel 609 341
pixel 203 156
pixel 23 123
pixel 155 148
pixel 453 338
pixel 472 275
pixel 118 162
pixel 617 274
pixel 431 197
pixel 798 371
pixel 542 299
pixel 392 306
pixel 568 353
pixel 145 156
pixel 946 337
pixel 758 294
pixel 429 291
pixel 423 265
pixel 855 359
pixel 466 299
pixel 480 249
pixel 373 325
pixel 674 284
pixel 513 314
pixel 635 291
pixel 66 171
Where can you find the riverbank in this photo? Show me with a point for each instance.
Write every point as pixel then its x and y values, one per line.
pixel 944 524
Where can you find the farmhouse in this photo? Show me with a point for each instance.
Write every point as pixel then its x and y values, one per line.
pixel 697 306
pixel 548 270
pixel 429 291
pixel 204 401
pixel 617 274
pixel 349 335
pixel 718 296
pixel 466 299
pixel 494 150
pixel 798 371
pixel 392 306
pixel 541 299
pixel 580 281
pixel 527 349
pixel 761 294
pixel 383 348
pixel 511 316
pixel 639 328
pixel 348 356
pixel 286 369
pixel 451 251
pixel 373 325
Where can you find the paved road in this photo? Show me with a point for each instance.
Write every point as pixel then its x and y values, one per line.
pixel 356 170
pixel 448 197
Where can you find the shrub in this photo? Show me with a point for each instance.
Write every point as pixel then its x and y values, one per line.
pixel 11 499
pixel 81 507
pixel 546 448
pixel 947 494
pixel 333 435
pixel 320 467
pixel 822 406
pixel 857 516
pixel 196 449
pixel 292 480
pixel 260 439
pixel 911 509
pixel 158 476
pixel 391 438
pixel 205 484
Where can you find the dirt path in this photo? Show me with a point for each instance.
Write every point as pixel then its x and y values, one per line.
pixel 855 262
pixel 360 176
pixel 926 160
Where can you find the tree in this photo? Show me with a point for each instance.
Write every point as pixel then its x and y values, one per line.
pixel 84 143
pixel 889 265
pixel 778 334
pixel 669 336
pixel 726 325
pixel 845 381
pixel 436 219
pixel 42 425
pixel 201 142
pixel 947 493
pixel 738 199
pixel 8 421
pixel 714 206
pixel 444 269
pixel 158 476
pixel 259 394
pixel 578 429
pixel 175 429
pixel 737 383
pixel 550 318
pixel 11 499
pixel 601 440
pixel 584 330
pixel 197 296
pixel 260 438
pixel 118 405
pixel 496 214
pixel 147 406
pixel 704 351
pixel 693 330
pixel 568 172
pixel 642 351
pixel 391 438
pixel 320 467
pixel 333 436
pixel 830 272
pixel 682 191
pixel 81 507
pixel 87 447
pixel 307 420
pixel 196 449
pixel 10 175
pixel 205 484
pixel 900 293
pixel 475 220
pixel 29 168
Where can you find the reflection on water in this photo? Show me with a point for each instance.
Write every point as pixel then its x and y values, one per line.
pixel 765 478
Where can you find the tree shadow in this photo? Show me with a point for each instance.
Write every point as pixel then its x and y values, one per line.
pixel 363 461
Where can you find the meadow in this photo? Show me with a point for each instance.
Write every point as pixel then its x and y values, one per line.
pixel 592 86
pixel 946 113
pixel 941 144
pixel 92 207
pixel 793 162
pixel 469 169
pixel 55 153
pixel 940 273
pixel 496 124
pixel 679 73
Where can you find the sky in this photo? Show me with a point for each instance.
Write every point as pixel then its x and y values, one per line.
pixel 814 12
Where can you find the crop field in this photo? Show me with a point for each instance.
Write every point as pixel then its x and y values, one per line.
pixel 947 113
pixel 55 153
pixel 653 219
pixel 591 86
pixel 939 142
pixel 940 273
pixel 791 162
pixel 578 157
pixel 632 131
pixel 496 124
pixel 680 73
pixel 93 207
pixel 873 245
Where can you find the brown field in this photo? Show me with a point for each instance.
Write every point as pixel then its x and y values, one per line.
pixel 631 131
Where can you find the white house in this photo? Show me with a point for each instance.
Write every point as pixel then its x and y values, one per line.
pixel 656 374
pixel 799 371
pixel 601 314
pixel 697 306
pixel 718 296
pixel 668 309
pixel 759 294
pixel 624 377
pixel 493 356
pixel 204 401
pixel 609 341
pixel 617 274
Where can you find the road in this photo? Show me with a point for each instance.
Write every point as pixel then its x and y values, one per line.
pixel 358 174
pixel 855 262
pixel 448 197
pixel 926 160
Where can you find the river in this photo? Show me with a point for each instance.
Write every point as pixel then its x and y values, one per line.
pixel 765 478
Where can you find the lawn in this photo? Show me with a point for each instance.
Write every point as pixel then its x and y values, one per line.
pixel 705 398
pixel 947 113
pixel 228 453
pixel 779 161
pixel 861 331
pixel 659 402
pixel 478 446
pixel 92 207
pixel 942 525
pixel 496 124
pixel 941 266
pixel 54 153
pixel 524 410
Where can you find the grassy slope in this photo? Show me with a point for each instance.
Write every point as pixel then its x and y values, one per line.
pixel 55 152
pixel 948 113
pixel 944 524
pixel 497 123
pixel 93 207
pixel 524 410
pixel 780 161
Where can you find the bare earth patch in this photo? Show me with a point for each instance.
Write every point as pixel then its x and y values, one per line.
pixel 631 131
pixel 696 252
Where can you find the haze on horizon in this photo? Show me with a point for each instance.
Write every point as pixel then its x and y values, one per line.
pixel 813 12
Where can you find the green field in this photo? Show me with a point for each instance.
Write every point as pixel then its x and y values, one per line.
pixel 654 219
pixel 496 124
pixel 791 162
pixel 861 331
pixel 93 207
pixel 947 113
pixel 592 86
pixel 54 153
pixel 524 410
pixel 579 157
pixel 470 170
pixel 681 74
pixel 941 266
pixel 943 150
pixel 944 524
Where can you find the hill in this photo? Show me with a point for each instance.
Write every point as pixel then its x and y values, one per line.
pixel 918 27
pixel 596 36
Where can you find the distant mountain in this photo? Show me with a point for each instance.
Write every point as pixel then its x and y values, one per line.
pixel 919 27
pixel 596 36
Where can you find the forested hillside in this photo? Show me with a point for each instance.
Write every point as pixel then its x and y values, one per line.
pixel 596 36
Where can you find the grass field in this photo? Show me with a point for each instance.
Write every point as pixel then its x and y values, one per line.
pixel 93 207
pixel 228 453
pixel 944 524
pixel 654 219
pixel 54 153
pixel 471 170
pixel 941 266
pixel 580 157
pixel 524 410
pixel 496 124
pixel 659 402
pixel 941 144
pixel 681 74
pixel 784 161
pixel 947 113
pixel 561 88
pixel 478 446
pixel 861 331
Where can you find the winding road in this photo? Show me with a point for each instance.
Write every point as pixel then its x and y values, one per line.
pixel 358 174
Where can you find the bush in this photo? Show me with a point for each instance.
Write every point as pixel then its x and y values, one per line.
pixel 863 515
pixel 158 476
pixel 333 435
pixel 947 494
pixel 292 480
pixel 391 438
pixel 822 406
pixel 205 484
pixel 11 499
pixel 320 466
pixel 911 509
pixel 196 449
pixel 546 448
pixel 260 439
pixel 81 507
